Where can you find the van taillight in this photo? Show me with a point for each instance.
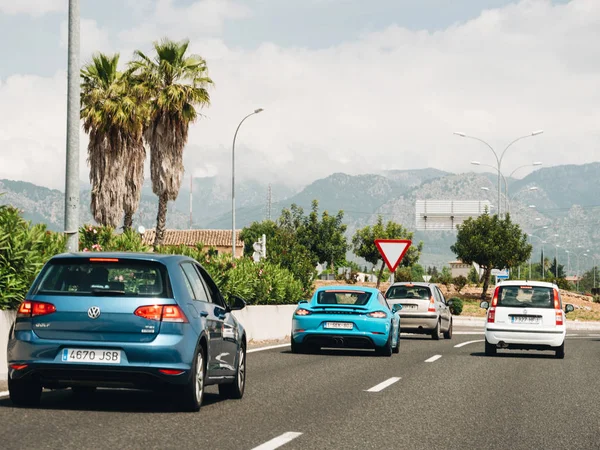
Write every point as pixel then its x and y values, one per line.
pixel 556 300
pixel 559 318
pixel 491 314
pixel 431 305
pixel 32 309
pixel 164 313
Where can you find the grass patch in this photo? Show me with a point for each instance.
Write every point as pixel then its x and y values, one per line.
pixel 584 315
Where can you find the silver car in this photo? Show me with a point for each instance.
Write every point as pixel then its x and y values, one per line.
pixel 424 309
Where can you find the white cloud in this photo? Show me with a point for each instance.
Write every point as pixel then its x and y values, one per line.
pixel 32 7
pixel 390 100
pixel 92 39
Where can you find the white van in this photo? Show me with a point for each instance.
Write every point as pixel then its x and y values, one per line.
pixel 526 315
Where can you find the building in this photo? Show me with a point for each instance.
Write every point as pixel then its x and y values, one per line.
pixel 219 239
pixel 459 268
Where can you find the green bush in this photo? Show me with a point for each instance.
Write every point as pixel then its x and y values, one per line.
pixel 457 306
pixel 459 282
pixel 23 251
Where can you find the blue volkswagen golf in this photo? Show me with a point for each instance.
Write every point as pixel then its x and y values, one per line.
pixel 126 320
pixel 346 316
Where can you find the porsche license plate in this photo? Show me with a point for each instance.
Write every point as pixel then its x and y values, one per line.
pixel 339 325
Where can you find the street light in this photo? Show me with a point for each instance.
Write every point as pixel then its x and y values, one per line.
pixel 498 159
pixel 509 199
pixel 256 111
pixel 543 242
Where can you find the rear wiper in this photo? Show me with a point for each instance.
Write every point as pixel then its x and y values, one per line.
pixel 107 292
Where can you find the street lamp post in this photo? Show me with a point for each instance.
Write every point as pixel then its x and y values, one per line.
pixel 233 240
pixel 543 242
pixel 498 159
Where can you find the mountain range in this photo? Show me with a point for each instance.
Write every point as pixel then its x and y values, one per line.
pixel 558 205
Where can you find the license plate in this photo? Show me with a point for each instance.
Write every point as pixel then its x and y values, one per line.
pixel 405 307
pixel 339 325
pixel 525 319
pixel 93 356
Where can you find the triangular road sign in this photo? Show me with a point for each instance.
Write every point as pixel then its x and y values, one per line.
pixel 392 250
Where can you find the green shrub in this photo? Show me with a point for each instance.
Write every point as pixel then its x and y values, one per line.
pixel 459 282
pixel 23 251
pixel 457 306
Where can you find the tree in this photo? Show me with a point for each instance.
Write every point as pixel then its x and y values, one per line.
pixel 113 117
pixel 552 269
pixel 364 244
pixel 417 272
pixel 459 282
pixel 473 276
pixel 491 242
pixel 326 237
pixel 174 84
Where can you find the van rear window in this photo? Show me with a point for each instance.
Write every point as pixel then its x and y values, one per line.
pixel 526 296
pixel 92 277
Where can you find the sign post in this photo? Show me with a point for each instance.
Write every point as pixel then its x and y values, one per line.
pixel 392 251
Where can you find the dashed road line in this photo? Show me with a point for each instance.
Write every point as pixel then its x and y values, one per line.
pixel 468 342
pixel 382 386
pixel 278 441
pixel 433 358
pixel 270 347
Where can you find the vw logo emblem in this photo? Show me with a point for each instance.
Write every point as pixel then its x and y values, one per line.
pixel 94 312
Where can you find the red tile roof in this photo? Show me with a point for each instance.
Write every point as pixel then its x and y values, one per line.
pixel 210 238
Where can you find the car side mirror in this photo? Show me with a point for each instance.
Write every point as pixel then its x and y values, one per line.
pixel 450 302
pixel 397 307
pixel 237 303
pixel 484 305
pixel 569 308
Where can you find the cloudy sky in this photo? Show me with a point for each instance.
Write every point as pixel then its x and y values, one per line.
pixel 347 85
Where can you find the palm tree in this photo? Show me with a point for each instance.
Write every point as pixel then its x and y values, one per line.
pixel 114 119
pixel 175 84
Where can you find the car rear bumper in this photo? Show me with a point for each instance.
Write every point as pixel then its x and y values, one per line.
pixel 139 366
pixel 337 338
pixel 418 322
pixel 525 338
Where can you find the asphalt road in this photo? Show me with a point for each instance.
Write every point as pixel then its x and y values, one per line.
pixel 460 399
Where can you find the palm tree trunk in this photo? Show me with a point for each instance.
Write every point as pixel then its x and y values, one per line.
pixel 161 219
pixel 128 222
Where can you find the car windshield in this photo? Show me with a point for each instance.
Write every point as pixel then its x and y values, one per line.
pixel 526 296
pixel 343 297
pixel 103 276
pixel 409 292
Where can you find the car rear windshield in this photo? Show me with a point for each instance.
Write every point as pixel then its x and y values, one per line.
pixel 409 292
pixel 103 276
pixel 343 298
pixel 526 296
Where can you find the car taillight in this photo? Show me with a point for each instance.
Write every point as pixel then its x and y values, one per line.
pixel 491 314
pixel 559 318
pixel 377 315
pixel 173 313
pixel 556 300
pixel 165 313
pixel 31 309
pixel 431 307
pixel 302 312
pixel 18 366
pixel 171 371
pixel 495 297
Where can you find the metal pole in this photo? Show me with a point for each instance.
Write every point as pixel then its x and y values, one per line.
pixel 233 240
pixel 73 120
pixel 191 188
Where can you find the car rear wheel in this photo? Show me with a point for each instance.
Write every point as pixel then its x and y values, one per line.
pixel 236 389
pixel 396 349
pixel 490 349
pixel 436 333
pixel 560 351
pixel 386 349
pixel 448 334
pixel 192 393
pixel 24 392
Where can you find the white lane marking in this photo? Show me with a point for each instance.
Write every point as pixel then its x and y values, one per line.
pixel 433 358
pixel 270 347
pixel 3 394
pixel 278 441
pixel 468 342
pixel 382 386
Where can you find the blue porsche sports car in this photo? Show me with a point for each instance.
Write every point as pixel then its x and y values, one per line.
pixel 142 321
pixel 347 317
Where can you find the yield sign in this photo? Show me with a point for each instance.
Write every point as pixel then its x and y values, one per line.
pixel 392 250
